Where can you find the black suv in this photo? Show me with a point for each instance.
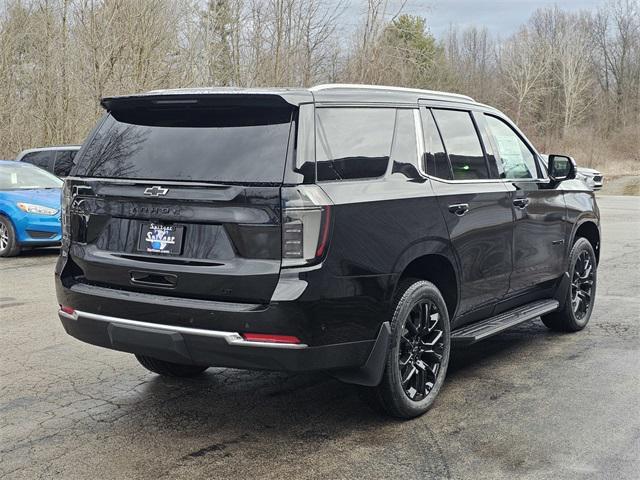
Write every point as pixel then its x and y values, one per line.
pixel 353 229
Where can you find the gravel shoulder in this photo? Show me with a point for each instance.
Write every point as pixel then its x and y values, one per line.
pixel 621 185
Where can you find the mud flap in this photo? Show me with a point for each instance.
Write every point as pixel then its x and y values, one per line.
pixel 370 374
pixel 562 290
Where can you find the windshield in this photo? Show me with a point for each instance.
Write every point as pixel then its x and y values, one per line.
pixel 226 144
pixel 22 176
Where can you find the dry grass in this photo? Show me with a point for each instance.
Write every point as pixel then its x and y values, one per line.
pixel 619 154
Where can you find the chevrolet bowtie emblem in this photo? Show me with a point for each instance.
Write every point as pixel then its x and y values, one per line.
pixel 155 191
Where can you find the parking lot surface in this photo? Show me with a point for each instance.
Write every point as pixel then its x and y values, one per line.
pixel 525 404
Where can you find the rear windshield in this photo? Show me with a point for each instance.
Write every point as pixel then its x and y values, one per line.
pixel 226 144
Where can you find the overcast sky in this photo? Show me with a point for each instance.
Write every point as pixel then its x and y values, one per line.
pixel 501 17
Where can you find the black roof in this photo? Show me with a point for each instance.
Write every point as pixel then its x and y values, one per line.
pixel 330 93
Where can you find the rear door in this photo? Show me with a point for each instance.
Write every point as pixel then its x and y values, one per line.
pixel 182 201
pixel 476 207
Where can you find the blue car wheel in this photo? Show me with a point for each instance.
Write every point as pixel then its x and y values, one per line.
pixel 9 247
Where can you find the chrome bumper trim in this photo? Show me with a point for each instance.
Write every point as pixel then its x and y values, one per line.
pixel 232 338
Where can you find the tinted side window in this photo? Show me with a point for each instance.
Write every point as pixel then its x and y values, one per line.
pixel 305 143
pixel 462 144
pixel 64 162
pixel 437 163
pixel 404 152
pixel 42 159
pixel 353 142
pixel 516 158
pixel 495 167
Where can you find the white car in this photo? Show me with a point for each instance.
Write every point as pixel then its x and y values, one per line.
pixel 590 176
pixel 593 178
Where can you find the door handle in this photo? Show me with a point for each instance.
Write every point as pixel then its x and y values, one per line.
pixel 521 202
pixel 459 208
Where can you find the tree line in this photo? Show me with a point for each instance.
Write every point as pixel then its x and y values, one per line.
pixel 570 79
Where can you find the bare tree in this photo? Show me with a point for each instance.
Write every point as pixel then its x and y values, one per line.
pixel 473 52
pixel 564 76
pixel 616 42
pixel 574 71
pixel 522 65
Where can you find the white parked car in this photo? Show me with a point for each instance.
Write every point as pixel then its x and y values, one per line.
pixel 593 178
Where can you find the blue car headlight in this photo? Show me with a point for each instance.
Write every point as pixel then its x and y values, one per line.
pixel 38 209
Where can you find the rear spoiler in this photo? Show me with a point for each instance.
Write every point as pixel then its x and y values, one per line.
pixel 209 97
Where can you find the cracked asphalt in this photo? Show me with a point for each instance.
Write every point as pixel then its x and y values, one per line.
pixel 525 404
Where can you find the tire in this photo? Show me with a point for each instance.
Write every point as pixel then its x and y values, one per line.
pixel 418 352
pixel 9 246
pixel 580 296
pixel 170 369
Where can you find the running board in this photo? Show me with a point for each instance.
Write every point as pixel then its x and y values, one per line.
pixel 493 325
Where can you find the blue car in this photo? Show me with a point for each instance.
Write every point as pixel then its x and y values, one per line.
pixel 29 207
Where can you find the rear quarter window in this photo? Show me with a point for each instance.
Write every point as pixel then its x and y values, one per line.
pixel 353 143
pixel 405 152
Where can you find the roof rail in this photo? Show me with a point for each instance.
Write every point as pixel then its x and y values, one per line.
pixel 329 86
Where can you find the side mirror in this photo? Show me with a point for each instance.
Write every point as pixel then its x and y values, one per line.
pixel 562 167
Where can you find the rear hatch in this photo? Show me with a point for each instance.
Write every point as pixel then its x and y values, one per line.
pixel 181 197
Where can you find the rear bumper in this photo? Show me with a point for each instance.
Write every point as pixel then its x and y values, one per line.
pixel 209 347
pixel 339 334
pixel 199 332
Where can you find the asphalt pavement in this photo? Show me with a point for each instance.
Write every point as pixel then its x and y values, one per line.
pixel 527 403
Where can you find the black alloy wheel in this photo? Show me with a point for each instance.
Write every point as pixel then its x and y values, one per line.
pixel 421 350
pixel 418 354
pixel 577 300
pixel 582 285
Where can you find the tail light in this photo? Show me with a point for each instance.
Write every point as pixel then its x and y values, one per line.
pixel 68 310
pixel 306 225
pixel 65 218
pixel 270 338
